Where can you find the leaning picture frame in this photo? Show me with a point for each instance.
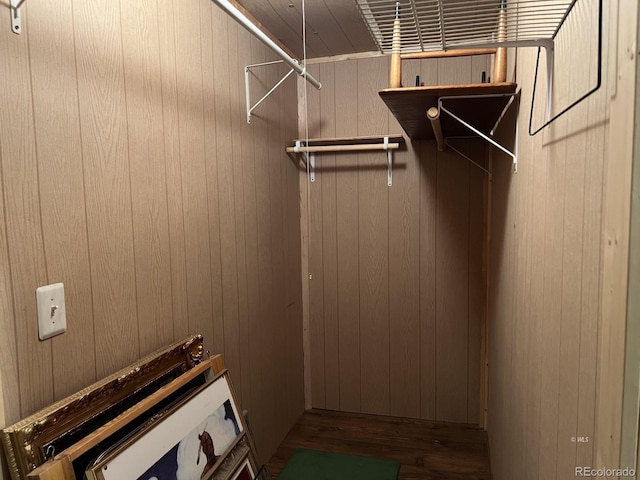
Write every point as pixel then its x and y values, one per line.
pixel 244 472
pixel 189 442
pixel 29 443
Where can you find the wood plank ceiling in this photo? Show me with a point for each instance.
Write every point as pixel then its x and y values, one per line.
pixel 334 27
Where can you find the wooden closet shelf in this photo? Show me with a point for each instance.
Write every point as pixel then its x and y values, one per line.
pixel 410 104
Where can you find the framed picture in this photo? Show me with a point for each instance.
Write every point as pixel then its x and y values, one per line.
pixel 244 472
pixel 186 444
pixel 32 441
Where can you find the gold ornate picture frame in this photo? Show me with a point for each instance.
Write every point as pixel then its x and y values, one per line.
pixel 32 441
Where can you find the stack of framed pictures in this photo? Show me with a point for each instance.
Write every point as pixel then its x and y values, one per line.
pixel 202 437
pixel 170 416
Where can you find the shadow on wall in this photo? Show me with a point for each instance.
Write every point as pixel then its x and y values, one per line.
pixel 502 169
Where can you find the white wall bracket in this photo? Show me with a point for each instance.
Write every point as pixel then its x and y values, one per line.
pixel 489 138
pixel 16 16
pixel 310 159
pixel 247 85
pixel 353 144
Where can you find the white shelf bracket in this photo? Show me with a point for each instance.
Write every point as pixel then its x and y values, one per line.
pixel 16 16
pixel 310 159
pixel 389 162
pixel 481 134
pixel 247 85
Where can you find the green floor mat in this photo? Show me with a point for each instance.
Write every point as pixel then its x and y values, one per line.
pixel 316 465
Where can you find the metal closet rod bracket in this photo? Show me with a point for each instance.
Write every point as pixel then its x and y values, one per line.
pixel 16 17
pixel 309 152
pixel 489 138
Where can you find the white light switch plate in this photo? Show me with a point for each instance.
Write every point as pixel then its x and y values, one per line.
pixel 52 315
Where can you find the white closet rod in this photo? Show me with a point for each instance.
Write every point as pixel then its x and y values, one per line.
pixel 264 38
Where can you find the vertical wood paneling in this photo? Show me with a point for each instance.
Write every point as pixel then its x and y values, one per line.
pixel 193 175
pixel 23 223
pixel 476 234
pixel 376 248
pixel 61 186
pixel 103 121
pixel 244 150
pixel 140 38
pixel 316 253
pixel 273 287
pixel 225 64
pixel 404 276
pixel 252 149
pixel 9 385
pixel 348 275
pixel 173 166
pixel 373 234
pixel 211 36
pixel 294 340
pixel 129 174
pixel 549 333
pixel 329 165
pixel 277 155
pixel 452 287
pixel 428 212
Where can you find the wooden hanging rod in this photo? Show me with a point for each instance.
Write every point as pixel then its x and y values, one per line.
pixel 345 148
pixel 348 144
pixel 449 53
pixel 433 114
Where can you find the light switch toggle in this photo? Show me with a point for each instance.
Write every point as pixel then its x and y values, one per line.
pixel 52 316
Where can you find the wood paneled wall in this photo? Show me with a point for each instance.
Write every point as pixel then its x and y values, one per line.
pixel 395 273
pixel 548 254
pixel 128 172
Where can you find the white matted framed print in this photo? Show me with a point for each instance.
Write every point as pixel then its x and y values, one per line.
pixel 184 445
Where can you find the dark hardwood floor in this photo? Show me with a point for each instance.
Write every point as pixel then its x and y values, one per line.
pixel 425 450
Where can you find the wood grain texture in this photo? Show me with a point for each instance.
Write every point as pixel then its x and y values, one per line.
pixel 57 138
pixel 316 253
pixel 384 253
pixel 9 380
pixel 112 182
pixel 173 166
pixel 140 38
pixel 208 25
pixel 475 282
pixel 333 27
pixel 194 177
pixel 24 240
pixel 547 273
pixel 103 120
pixel 404 277
pixel 347 240
pixel 424 449
pixel 244 149
pixel 328 167
pixel 373 227
pixel 452 287
pixel 225 65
